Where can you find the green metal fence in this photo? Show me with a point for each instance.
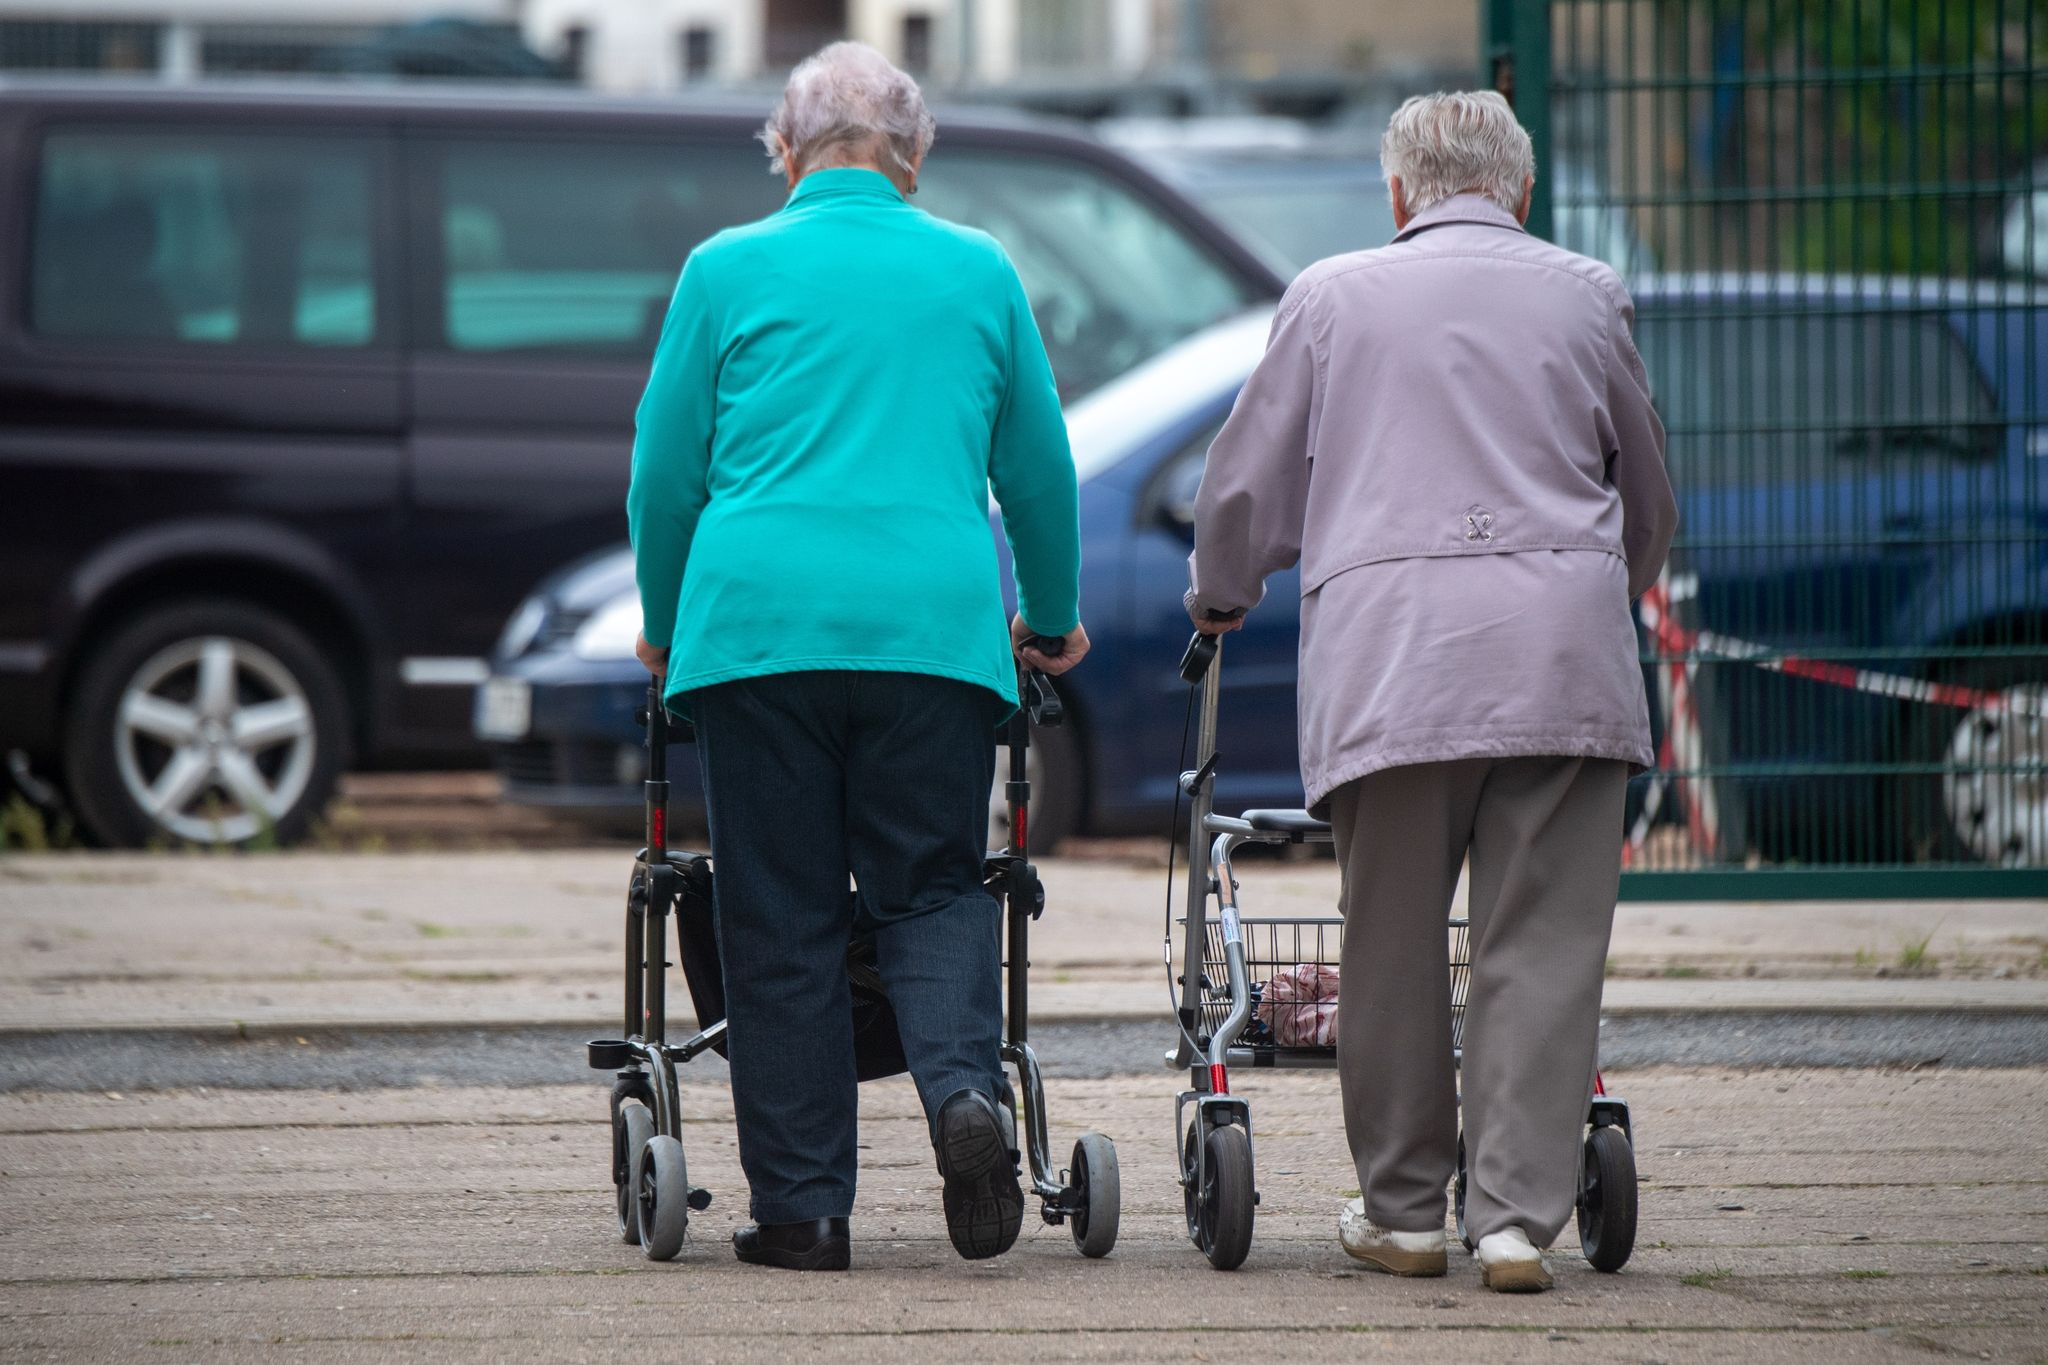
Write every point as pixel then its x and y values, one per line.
pixel 1834 220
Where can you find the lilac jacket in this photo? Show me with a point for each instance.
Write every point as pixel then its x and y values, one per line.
pixel 1453 435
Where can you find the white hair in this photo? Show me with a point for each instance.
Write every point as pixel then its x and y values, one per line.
pixel 1457 143
pixel 844 105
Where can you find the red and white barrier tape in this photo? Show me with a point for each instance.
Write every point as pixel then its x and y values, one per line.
pixel 1681 751
pixel 1673 638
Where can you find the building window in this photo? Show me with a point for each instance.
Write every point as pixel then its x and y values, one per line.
pixel 797 28
pixel 55 45
pixel 917 43
pixel 700 52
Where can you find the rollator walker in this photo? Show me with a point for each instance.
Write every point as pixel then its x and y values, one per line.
pixel 1230 965
pixel 653 1194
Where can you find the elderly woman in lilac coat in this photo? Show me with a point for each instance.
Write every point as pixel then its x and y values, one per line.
pixel 1453 435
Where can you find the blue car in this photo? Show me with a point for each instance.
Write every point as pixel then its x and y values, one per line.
pixel 1862 468
pixel 1854 484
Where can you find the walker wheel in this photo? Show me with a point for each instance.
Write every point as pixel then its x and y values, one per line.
pixel 1458 1195
pixel 1097 1195
pixel 630 1132
pixel 1223 1205
pixel 1607 1199
pixel 661 1190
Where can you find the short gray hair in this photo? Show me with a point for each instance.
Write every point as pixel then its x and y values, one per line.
pixel 1456 142
pixel 846 104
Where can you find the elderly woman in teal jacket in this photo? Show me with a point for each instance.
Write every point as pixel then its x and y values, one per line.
pixel 837 390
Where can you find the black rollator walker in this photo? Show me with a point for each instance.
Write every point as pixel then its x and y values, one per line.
pixel 1241 977
pixel 654 1197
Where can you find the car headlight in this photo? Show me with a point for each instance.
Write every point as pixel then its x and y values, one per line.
pixel 611 632
pixel 523 628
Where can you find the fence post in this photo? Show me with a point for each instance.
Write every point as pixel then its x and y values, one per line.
pixel 1529 92
pixel 1497 46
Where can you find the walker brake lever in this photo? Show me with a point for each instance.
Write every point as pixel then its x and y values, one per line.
pixel 1041 700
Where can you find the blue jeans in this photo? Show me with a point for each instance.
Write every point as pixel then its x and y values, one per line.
pixel 811 778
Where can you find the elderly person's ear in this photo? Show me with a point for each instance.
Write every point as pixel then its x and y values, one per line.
pixel 786 155
pixel 1528 194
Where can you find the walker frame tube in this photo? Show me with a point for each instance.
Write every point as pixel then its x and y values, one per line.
pixel 1023 900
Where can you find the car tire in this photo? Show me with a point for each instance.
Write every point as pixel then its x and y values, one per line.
pixel 208 721
pixel 1057 786
pixel 1966 813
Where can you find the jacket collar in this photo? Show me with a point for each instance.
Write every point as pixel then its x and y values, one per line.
pixel 843 182
pixel 1459 208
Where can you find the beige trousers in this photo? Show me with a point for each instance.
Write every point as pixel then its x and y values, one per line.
pixel 1544 836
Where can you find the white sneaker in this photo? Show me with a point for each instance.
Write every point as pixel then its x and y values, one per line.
pixel 1510 1264
pixel 1396 1253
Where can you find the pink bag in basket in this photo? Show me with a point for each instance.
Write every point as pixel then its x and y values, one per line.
pixel 1300 1006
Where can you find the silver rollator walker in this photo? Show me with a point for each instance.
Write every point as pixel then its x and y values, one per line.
pixel 1229 967
pixel 653 1195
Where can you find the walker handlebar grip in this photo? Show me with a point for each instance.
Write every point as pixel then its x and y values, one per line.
pixel 1051 646
pixel 1200 654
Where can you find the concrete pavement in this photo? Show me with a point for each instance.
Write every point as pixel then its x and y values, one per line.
pixel 1786 1216
pixel 274 942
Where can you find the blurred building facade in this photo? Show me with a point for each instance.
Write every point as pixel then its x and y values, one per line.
pixel 185 39
pixel 640 46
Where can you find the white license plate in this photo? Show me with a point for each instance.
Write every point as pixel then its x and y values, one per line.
pixel 504 708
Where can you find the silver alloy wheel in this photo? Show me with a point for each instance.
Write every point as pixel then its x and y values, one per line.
pixel 1996 786
pixel 214 740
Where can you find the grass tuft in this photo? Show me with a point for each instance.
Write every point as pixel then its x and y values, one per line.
pixel 1866 1274
pixel 26 828
pixel 1705 1279
pixel 1914 957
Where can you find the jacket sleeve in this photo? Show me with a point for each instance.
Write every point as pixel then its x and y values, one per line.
pixel 672 452
pixel 1635 459
pixel 1254 494
pixel 1031 472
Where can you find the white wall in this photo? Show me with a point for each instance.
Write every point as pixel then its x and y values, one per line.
pixel 993 24
pixel 636 46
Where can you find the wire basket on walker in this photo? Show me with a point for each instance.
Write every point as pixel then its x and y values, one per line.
pixel 1264 992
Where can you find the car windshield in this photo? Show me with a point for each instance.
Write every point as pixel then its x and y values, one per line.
pixel 1113 281
pixel 1307 220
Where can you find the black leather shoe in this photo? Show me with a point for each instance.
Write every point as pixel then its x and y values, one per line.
pixel 820 1244
pixel 984 1203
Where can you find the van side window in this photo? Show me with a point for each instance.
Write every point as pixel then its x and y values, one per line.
pixel 577 244
pixel 204 238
